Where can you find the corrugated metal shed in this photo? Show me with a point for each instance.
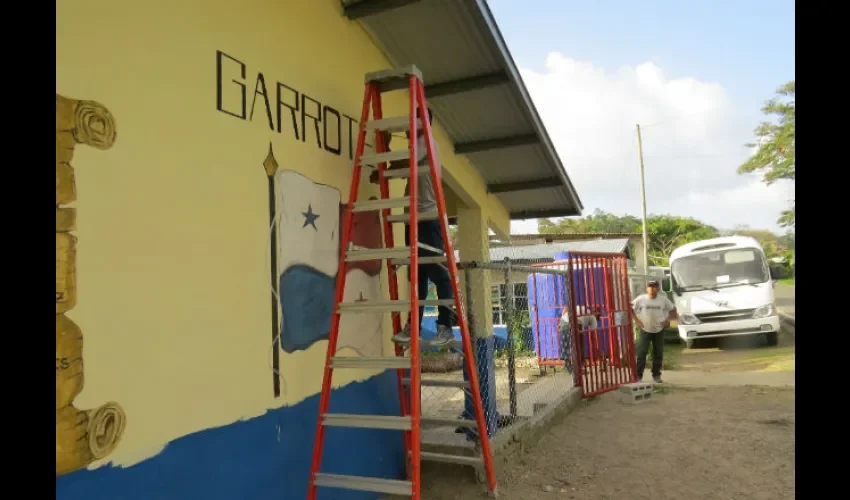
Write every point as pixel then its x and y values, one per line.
pixel 545 252
pixel 477 95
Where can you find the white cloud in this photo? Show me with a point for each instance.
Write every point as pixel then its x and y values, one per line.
pixel 693 141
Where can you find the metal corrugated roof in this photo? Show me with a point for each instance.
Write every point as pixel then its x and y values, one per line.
pixel 452 41
pixel 545 252
pixel 569 236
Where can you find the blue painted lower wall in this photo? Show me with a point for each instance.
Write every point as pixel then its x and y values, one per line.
pixel 247 460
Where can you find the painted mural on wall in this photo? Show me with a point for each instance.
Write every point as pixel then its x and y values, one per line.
pixel 305 234
pixel 82 436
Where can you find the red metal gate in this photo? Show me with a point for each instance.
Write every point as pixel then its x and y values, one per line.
pixel 599 347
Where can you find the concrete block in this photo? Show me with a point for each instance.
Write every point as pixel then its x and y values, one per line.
pixel 635 393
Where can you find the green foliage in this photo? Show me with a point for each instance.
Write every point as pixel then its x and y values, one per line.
pixel 597 222
pixel 666 232
pixel 520 323
pixel 776 143
pixel 772 243
pixel 453 236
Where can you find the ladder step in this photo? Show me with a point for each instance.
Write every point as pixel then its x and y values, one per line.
pixel 390 305
pixel 376 254
pixel 406 217
pixel 432 382
pixel 360 254
pixel 450 459
pixel 431 249
pixel 403 173
pixel 394 78
pixel 380 362
pixel 439 259
pixel 369 205
pixel 394 124
pixel 361 483
pixel 376 158
pixel 367 421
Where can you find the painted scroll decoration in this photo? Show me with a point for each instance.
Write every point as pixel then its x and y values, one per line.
pixel 82 436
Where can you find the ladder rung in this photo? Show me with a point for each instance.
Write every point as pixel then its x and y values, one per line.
pixel 454 422
pixel 394 124
pixel 361 483
pixel 406 217
pixel 402 173
pixel 431 249
pixel 390 305
pixel 376 254
pixel 369 205
pixel 438 259
pixel 367 421
pixel 450 459
pixel 380 362
pixel 375 159
pixel 394 78
pixel 435 382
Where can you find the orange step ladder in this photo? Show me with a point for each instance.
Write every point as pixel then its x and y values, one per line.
pixel 407 366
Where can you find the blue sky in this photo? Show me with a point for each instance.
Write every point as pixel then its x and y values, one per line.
pixel 745 45
pixel 738 52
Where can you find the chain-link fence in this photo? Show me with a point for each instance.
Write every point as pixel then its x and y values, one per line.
pixel 525 361
pixel 522 366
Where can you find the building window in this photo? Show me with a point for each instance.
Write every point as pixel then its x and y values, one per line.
pixel 499 301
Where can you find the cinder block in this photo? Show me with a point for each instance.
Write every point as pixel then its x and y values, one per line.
pixel 635 393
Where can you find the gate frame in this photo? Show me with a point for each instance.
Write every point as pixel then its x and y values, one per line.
pixel 615 290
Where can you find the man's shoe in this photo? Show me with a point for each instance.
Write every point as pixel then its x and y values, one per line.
pixel 657 379
pixel 403 337
pixel 444 336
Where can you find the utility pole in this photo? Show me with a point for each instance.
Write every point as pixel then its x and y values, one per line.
pixel 643 207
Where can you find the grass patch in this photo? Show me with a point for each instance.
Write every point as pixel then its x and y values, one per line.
pixel 672 350
pixel 671 356
pixel 789 282
pixel 772 353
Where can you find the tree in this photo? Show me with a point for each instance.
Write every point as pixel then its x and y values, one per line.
pixel 769 241
pixel 775 156
pixel 667 232
pixel 597 222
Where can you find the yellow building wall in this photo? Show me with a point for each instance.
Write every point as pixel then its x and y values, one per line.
pixel 173 221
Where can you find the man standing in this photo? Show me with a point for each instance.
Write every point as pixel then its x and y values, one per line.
pixel 653 313
pixel 430 234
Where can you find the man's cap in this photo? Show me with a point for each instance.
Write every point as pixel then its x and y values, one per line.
pixel 651 283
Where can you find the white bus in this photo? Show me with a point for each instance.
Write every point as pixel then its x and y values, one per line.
pixel 722 287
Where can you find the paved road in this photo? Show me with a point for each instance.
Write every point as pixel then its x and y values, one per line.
pixel 785 299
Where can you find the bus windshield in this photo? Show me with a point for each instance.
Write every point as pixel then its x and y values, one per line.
pixel 722 268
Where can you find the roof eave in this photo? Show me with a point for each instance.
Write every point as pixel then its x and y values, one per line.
pixel 513 74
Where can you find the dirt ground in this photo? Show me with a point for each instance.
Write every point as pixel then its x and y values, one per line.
pixel 712 442
pixel 736 354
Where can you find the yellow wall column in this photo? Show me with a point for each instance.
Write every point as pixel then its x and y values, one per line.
pixel 474 245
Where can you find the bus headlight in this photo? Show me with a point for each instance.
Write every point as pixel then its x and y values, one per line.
pixel 765 311
pixel 688 319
